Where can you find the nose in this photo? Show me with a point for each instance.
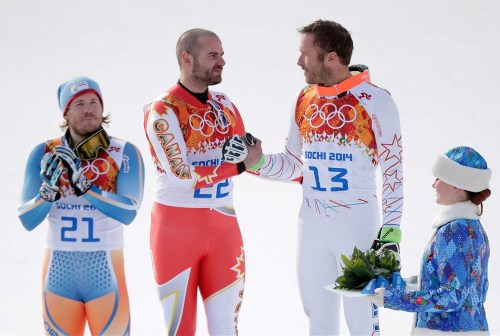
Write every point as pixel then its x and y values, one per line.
pixel 434 183
pixel 89 108
pixel 300 63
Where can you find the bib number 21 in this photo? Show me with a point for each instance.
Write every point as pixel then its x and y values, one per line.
pixel 337 181
pixel 66 231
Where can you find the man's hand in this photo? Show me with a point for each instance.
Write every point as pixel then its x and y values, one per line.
pixel 249 139
pixel 246 149
pixel 255 157
pixel 51 170
pixel 77 180
pixel 234 149
pixel 388 238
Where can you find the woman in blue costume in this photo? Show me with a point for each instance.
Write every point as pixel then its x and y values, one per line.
pixel 453 279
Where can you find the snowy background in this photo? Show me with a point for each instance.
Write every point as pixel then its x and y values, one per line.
pixel 437 58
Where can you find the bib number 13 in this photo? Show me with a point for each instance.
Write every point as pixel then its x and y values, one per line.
pixel 337 181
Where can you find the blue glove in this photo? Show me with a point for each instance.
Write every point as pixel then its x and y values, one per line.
pixel 50 172
pixel 73 165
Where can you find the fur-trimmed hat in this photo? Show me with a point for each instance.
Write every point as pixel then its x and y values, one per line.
pixel 464 168
pixel 76 87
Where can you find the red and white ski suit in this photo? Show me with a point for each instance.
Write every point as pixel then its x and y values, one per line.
pixel 195 237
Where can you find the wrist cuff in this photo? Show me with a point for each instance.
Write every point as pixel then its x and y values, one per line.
pixel 257 165
pixel 241 167
pixel 390 234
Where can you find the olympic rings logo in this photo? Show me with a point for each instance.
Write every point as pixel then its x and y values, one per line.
pixel 97 168
pixel 214 119
pixel 335 119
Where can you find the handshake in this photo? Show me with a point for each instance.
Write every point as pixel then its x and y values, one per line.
pixel 246 149
pixel 52 167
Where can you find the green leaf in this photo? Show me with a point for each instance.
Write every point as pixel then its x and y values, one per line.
pixel 345 260
pixel 366 261
pixel 361 267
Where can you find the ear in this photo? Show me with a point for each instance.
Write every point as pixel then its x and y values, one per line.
pixel 331 57
pixel 187 58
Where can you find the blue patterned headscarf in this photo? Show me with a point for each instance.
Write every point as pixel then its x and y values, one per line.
pixel 467 156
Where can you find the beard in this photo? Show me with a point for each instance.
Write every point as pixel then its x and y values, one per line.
pixel 205 75
pixel 84 129
pixel 318 75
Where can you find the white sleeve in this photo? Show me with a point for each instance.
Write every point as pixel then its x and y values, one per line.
pixel 286 166
pixel 390 150
pixel 167 143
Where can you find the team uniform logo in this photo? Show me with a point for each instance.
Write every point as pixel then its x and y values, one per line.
pixel 80 86
pixel 207 129
pixel 343 121
pixel 101 171
pixel 213 120
pixel 335 117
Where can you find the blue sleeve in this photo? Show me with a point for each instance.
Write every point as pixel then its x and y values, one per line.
pixel 34 208
pixel 454 255
pixel 124 205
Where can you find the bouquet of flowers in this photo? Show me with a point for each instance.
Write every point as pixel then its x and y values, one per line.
pixel 361 267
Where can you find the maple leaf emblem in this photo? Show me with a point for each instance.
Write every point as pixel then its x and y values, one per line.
pixel 206 173
pixel 239 268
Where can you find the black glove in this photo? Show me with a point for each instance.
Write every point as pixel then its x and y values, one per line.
pixel 378 245
pixel 77 180
pixel 234 149
pixel 50 172
pixel 249 139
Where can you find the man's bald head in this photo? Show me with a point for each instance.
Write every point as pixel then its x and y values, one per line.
pixel 189 42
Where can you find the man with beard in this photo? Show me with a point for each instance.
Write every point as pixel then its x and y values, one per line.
pixel 342 128
pixel 89 184
pixel 195 237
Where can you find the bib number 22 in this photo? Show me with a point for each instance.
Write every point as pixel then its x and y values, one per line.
pixel 215 191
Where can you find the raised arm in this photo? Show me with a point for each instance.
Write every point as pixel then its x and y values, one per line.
pixel 33 208
pixel 124 205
